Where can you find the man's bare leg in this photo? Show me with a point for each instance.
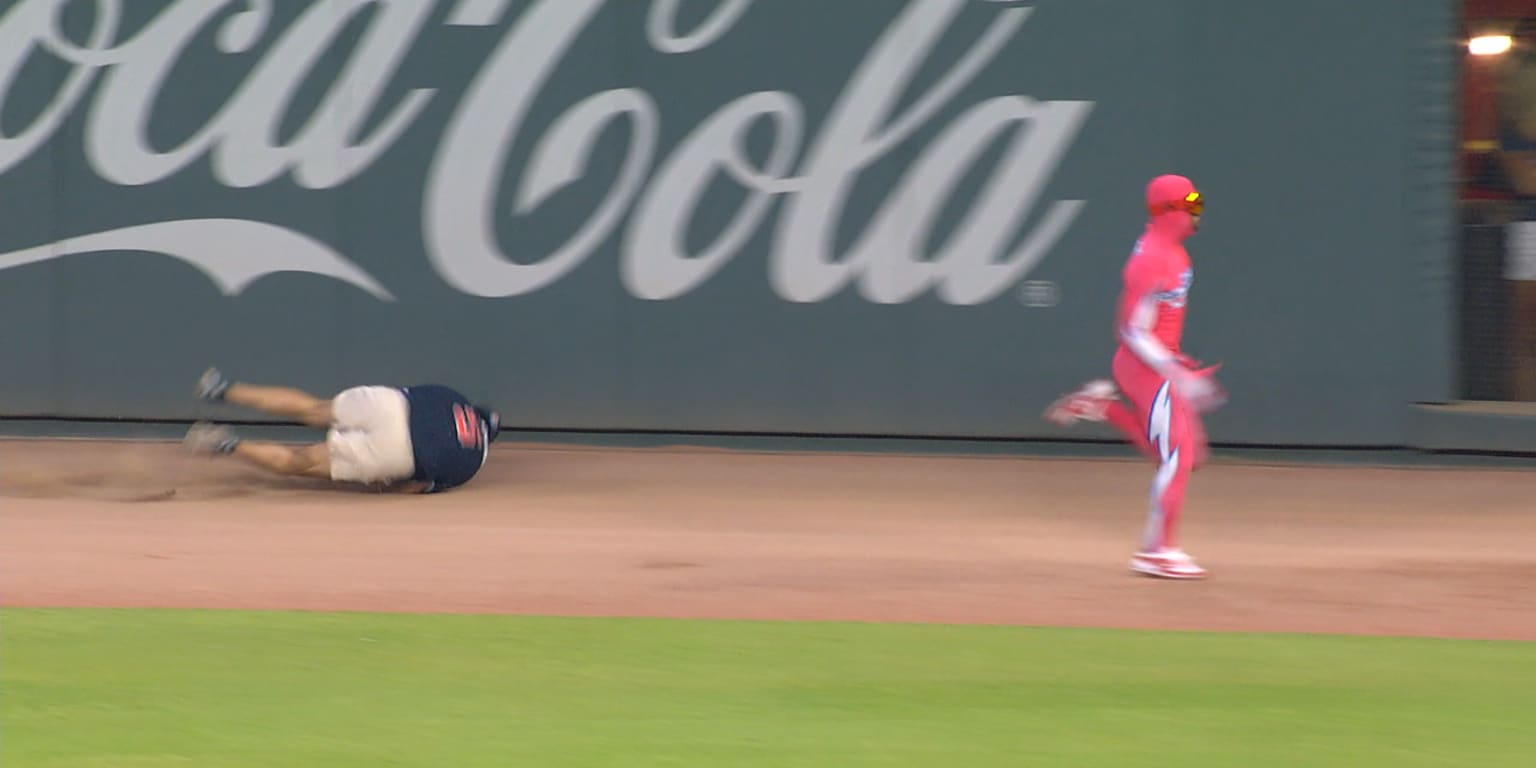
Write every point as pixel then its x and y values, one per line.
pixel 280 401
pixel 292 460
pixel 277 458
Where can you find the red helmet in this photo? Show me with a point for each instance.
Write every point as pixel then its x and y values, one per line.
pixel 1171 193
pixel 492 421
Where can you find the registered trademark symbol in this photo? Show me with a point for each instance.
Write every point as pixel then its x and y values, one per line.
pixel 1040 293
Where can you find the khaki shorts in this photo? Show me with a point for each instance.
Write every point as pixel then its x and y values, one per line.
pixel 370 436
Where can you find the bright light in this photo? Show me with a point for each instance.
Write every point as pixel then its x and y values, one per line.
pixel 1490 45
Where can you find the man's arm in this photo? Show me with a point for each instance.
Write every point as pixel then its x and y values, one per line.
pixel 409 486
pixel 1137 334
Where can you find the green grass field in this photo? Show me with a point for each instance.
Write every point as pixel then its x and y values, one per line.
pixel 95 688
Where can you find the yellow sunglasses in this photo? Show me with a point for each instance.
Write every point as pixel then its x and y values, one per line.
pixel 1192 204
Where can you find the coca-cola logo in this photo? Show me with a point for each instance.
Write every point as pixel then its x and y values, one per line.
pixel 647 206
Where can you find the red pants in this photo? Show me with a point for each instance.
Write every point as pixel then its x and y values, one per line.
pixel 1164 429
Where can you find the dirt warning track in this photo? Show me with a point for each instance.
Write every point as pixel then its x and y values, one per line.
pixel 702 533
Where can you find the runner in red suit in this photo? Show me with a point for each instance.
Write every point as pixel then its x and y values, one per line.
pixel 1164 391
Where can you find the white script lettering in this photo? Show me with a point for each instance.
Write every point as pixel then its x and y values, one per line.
pixel 649 206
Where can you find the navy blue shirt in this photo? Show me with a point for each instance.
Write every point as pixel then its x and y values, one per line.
pixel 448 437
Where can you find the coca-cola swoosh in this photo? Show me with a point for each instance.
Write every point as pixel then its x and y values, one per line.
pixel 649 204
pixel 247 251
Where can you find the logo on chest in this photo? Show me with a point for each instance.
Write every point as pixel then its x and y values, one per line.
pixel 1177 296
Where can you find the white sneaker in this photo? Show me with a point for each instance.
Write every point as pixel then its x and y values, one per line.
pixel 212 385
pixel 1089 403
pixel 210 439
pixel 1167 564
